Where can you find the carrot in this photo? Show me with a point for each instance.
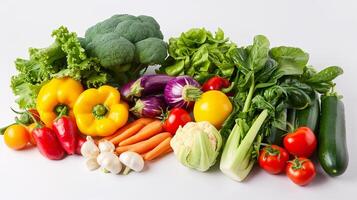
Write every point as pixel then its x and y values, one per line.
pixel 166 152
pixel 132 130
pixel 148 131
pixel 145 121
pixel 144 146
pixel 158 150
pixel 121 130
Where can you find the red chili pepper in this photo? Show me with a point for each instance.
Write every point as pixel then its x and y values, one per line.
pixel 80 141
pixel 48 144
pixel 215 83
pixel 67 132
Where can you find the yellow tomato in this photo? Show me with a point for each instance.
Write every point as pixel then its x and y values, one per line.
pixel 213 106
pixel 16 137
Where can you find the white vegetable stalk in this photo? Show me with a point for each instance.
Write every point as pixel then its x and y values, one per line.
pixel 236 159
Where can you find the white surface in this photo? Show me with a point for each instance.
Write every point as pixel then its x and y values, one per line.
pixel 326 29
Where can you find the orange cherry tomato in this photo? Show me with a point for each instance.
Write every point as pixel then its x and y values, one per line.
pixel 16 137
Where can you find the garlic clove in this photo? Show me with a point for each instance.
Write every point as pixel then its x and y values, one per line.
pixel 106 146
pixel 92 164
pixel 109 162
pixel 132 161
pixel 89 149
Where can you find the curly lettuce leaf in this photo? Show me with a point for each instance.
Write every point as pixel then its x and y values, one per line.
pixel 64 58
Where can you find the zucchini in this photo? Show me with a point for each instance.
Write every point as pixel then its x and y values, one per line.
pixel 332 149
pixel 309 116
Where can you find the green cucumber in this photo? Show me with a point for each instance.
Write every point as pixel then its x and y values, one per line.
pixel 332 149
pixel 309 116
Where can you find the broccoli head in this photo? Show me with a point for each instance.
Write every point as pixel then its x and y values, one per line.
pixel 126 43
pixel 150 51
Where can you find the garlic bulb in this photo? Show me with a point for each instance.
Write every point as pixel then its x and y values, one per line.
pixel 109 162
pixel 89 149
pixel 92 164
pixel 106 146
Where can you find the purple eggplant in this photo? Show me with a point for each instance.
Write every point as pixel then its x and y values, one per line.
pixel 182 92
pixel 150 106
pixel 145 85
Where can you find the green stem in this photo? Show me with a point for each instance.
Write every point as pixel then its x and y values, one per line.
pixel 228 89
pixel 3 129
pixel 99 111
pixel 61 109
pixel 38 123
pixel 249 97
pixel 63 112
pixel 191 93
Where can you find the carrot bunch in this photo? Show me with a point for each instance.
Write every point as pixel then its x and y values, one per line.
pixel 144 136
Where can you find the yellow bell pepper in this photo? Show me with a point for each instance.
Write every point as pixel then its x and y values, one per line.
pixel 56 96
pixel 99 112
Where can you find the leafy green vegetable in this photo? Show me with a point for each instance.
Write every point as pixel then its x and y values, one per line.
pixel 268 83
pixel 65 57
pixel 200 54
pixel 292 61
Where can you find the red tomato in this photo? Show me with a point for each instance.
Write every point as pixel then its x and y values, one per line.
pixel 301 143
pixel 175 118
pixel 215 83
pixel 273 159
pixel 301 171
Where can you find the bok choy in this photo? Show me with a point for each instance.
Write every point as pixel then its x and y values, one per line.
pixel 268 82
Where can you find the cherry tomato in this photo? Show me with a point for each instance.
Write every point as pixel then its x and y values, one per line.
pixel 16 137
pixel 301 143
pixel 273 159
pixel 176 117
pixel 301 171
pixel 215 83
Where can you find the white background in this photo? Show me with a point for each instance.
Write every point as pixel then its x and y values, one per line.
pixel 324 28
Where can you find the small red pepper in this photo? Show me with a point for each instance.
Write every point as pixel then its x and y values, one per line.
pixel 215 83
pixel 47 143
pixel 80 141
pixel 67 132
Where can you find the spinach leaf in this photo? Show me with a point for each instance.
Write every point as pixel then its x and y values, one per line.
pixel 326 75
pixel 258 53
pixel 299 94
pixel 292 61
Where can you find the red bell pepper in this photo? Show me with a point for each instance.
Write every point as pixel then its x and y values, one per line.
pixel 48 144
pixel 67 132
pixel 215 83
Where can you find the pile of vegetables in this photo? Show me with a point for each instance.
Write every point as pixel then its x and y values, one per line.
pixel 211 102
